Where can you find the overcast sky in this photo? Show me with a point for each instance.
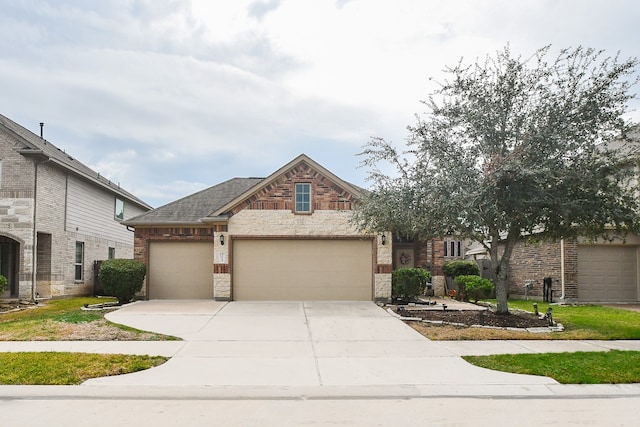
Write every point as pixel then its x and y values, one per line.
pixel 171 96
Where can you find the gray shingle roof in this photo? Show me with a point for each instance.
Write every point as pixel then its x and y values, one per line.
pixel 190 209
pixel 32 144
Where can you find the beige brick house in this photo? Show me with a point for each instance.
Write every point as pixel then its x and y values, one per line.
pixel 285 237
pixel 57 216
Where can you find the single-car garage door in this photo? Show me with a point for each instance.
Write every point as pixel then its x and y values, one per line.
pixel 607 273
pixel 180 270
pixel 296 270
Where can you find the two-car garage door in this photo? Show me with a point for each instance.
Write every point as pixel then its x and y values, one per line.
pixel 301 269
pixel 266 269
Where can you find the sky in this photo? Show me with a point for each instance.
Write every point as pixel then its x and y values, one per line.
pixel 167 97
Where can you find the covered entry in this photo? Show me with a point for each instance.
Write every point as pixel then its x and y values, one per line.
pixel 180 270
pixel 302 269
pixel 607 273
pixel 9 261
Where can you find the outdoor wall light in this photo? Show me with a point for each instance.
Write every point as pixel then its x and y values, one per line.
pixel 383 239
pixel 222 239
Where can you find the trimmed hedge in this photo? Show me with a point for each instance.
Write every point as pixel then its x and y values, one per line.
pixel 474 287
pixel 408 283
pixel 122 278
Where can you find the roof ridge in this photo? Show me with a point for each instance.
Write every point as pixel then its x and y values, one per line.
pixel 64 159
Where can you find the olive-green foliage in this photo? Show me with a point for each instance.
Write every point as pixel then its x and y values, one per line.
pixel 3 283
pixel 408 283
pixel 461 268
pixel 122 278
pixel 474 287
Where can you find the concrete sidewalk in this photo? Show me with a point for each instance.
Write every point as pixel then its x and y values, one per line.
pixel 307 349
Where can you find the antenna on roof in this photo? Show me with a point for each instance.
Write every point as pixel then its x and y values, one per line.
pixel 41 130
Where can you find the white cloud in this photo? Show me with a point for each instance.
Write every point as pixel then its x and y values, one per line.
pixel 170 96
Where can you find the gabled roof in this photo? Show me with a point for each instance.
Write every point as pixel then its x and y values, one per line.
pixel 303 158
pixel 191 209
pixel 31 144
pixel 214 203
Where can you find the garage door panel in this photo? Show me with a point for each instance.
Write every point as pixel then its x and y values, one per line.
pixel 607 273
pixel 302 270
pixel 181 270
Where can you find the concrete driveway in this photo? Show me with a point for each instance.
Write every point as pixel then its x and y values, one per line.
pixel 313 345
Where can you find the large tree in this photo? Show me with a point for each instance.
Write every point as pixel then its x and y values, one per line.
pixel 513 148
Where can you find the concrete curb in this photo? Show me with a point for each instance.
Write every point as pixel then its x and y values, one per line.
pixel 309 393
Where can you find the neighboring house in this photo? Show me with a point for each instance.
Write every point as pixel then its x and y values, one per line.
pixel 581 270
pixel 57 217
pixel 285 237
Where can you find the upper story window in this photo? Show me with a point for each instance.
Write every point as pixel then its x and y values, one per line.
pixel 119 211
pixel 303 197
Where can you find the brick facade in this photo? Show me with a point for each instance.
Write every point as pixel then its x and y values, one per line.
pixel 34 218
pixel 270 212
pixel 535 261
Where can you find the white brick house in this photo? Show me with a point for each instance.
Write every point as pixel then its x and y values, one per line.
pixel 57 216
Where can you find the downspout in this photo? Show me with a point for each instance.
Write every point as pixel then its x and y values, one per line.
pixel 34 244
pixel 562 268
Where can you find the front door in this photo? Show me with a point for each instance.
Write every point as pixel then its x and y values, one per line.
pixel 8 264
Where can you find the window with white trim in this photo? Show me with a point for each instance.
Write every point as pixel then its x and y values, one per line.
pixel 453 249
pixel 119 209
pixel 303 197
pixel 79 261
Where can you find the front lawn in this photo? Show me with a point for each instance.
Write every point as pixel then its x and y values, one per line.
pixel 581 322
pixel 610 367
pixel 49 368
pixel 64 320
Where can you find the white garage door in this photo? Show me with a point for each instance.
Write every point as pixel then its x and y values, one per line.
pixel 180 270
pixel 607 274
pixel 296 270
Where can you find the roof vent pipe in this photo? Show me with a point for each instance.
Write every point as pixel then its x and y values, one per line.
pixel 41 130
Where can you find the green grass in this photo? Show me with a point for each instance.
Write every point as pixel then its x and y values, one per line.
pixel 53 321
pixel 589 321
pixel 611 367
pixel 32 368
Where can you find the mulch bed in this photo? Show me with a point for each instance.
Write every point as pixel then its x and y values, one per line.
pixel 478 317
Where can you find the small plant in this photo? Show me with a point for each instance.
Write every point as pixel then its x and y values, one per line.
pixel 408 283
pixel 474 287
pixel 3 284
pixel 122 278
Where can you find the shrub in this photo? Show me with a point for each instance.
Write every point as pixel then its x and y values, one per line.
pixel 3 284
pixel 474 287
pixel 122 278
pixel 408 283
pixel 461 268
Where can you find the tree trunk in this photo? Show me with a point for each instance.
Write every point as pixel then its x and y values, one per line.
pixel 500 266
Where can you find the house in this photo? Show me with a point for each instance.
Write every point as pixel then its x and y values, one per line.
pixel 581 270
pixel 288 236
pixel 57 217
